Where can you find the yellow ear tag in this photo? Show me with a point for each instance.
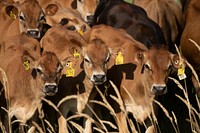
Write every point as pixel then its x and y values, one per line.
pixel 70 70
pixel 119 59
pixel 181 72
pixel 76 54
pixel 12 15
pixel 80 32
pixel 26 65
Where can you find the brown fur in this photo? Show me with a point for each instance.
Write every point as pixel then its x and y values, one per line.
pixel 81 84
pixel 188 48
pixel 166 13
pixel 33 19
pixel 141 85
pixel 31 85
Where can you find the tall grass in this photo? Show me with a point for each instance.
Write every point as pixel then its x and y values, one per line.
pixel 194 114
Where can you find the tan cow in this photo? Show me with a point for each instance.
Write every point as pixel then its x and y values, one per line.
pixel 85 7
pixel 56 14
pixel 168 14
pixel 140 74
pixel 89 65
pixel 27 77
pixel 190 41
pixel 23 19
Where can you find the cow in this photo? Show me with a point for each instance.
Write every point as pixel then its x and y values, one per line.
pixel 56 14
pixel 140 76
pixel 133 19
pixel 168 15
pixel 24 19
pixel 27 76
pixel 190 40
pixel 85 7
pixel 89 62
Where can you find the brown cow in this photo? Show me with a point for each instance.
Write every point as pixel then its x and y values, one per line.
pixel 27 77
pixel 140 76
pixel 166 13
pixel 85 7
pixel 91 58
pixel 189 49
pixel 24 19
pixel 56 14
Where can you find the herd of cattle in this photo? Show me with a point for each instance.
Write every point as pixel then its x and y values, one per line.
pixel 69 51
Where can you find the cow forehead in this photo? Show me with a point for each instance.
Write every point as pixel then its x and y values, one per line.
pixel 49 61
pixel 31 8
pixel 159 59
pixel 97 53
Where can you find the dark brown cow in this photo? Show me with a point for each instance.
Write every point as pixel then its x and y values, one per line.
pixel 27 77
pixel 140 76
pixel 133 19
pixel 23 19
pixel 89 62
pixel 168 14
pixel 190 41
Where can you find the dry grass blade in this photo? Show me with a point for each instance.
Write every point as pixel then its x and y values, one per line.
pixel 38 127
pixel 109 123
pixel 49 125
pixel 2 128
pixel 99 130
pixel 198 47
pixel 6 86
pixel 66 99
pixel 77 126
pixel 167 115
pixel 52 105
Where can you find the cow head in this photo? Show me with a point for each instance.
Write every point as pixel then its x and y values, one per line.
pixel 156 67
pixel 87 9
pixel 96 57
pixel 55 14
pixel 30 15
pixel 47 70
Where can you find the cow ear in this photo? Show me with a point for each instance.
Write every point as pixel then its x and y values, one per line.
pixel 75 51
pixel 177 61
pixel 11 11
pixel 28 62
pixel 51 9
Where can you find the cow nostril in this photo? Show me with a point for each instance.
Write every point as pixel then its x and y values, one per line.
pixel 90 18
pixel 159 90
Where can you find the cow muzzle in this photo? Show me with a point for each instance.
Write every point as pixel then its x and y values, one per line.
pixel 99 79
pixel 89 19
pixel 50 89
pixel 35 33
pixel 159 90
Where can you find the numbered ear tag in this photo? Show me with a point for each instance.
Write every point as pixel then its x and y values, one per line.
pixel 80 32
pixel 70 70
pixel 181 72
pixel 26 65
pixel 76 54
pixel 12 15
pixel 119 59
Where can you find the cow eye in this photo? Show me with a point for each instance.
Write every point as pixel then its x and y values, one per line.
pixel 87 60
pixel 22 17
pixel 107 60
pixel 39 71
pixel 80 1
pixel 41 18
pixel 147 66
